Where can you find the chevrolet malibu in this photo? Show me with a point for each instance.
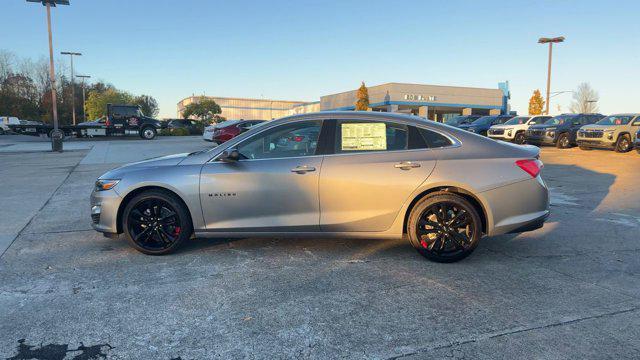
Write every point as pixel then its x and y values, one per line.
pixel 331 174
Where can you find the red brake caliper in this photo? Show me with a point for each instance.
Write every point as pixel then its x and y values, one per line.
pixel 176 231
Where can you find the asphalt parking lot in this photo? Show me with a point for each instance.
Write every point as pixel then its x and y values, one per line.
pixel 568 290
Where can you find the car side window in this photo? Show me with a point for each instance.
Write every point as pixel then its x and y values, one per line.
pixel 367 136
pixel 287 140
pixel 435 140
pixel 636 121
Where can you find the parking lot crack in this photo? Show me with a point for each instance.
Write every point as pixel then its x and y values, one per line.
pixel 512 331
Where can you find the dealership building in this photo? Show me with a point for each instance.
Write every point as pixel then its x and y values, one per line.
pixel 434 102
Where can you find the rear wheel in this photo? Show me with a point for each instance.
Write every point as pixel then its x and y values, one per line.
pixel 148 133
pixel 563 142
pixel 156 222
pixel 444 227
pixel 623 144
pixel 520 138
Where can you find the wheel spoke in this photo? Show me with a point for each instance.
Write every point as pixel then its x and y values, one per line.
pixel 424 223
pixel 138 215
pixel 459 240
pixel 146 232
pixel 168 216
pixel 165 233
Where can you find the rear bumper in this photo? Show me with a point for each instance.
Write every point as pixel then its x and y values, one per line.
pixel 518 207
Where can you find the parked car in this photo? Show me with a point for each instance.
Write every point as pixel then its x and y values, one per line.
pixel 5 121
pixel 612 132
pixel 462 120
pixel 227 130
pixel 636 143
pixel 363 175
pixel 194 127
pixel 514 128
pixel 560 130
pixel 482 125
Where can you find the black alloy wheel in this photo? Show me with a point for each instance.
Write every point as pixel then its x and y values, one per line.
pixel 520 139
pixel 623 144
pixel 444 227
pixel 156 223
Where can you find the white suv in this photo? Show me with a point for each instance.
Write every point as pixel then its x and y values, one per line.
pixel 513 130
pixel 5 121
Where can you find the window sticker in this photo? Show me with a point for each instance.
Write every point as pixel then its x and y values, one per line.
pixel 364 136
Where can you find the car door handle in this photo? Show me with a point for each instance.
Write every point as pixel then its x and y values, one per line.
pixel 303 169
pixel 406 165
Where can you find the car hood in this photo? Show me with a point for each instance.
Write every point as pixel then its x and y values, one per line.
pixel 600 127
pixel 464 126
pixel 169 160
pixel 541 126
pixel 501 126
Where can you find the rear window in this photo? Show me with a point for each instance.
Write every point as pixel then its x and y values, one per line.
pixel 435 140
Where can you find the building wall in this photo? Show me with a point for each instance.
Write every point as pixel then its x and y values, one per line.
pixel 248 109
pixel 416 94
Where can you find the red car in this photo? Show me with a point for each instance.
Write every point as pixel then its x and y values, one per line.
pixel 227 130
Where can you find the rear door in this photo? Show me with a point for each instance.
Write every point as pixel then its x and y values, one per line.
pixel 374 168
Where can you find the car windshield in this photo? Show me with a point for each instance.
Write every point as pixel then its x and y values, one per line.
pixel 485 120
pixel 558 120
pixel 518 120
pixel 459 120
pixel 615 120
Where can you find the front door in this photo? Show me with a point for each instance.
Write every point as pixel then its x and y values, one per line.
pixel 273 187
pixel 375 168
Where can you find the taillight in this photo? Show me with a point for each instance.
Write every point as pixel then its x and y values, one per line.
pixel 108 122
pixel 530 166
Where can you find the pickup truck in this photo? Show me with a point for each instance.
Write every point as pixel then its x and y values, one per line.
pixel 5 121
pixel 121 120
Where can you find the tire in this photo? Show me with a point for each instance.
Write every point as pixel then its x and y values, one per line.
pixel 427 230
pixel 164 214
pixel 520 138
pixel 623 144
pixel 1 131
pixel 148 133
pixel 563 142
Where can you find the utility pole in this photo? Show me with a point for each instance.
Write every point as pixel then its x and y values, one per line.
pixel 84 99
pixel 56 135
pixel 73 85
pixel 550 41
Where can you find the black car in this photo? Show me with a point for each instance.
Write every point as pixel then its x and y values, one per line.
pixel 194 127
pixel 459 120
pixel 482 125
pixel 560 130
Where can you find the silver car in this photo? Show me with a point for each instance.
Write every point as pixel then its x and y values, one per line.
pixel 362 175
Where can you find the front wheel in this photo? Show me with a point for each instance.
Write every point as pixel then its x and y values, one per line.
pixel 156 222
pixel 444 227
pixel 520 139
pixel 563 142
pixel 623 144
pixel 1 131
pixel 148 133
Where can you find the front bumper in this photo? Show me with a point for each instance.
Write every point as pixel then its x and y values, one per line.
pixel 541 140
pixel 104 211
pixel 601 144
pixel 503 136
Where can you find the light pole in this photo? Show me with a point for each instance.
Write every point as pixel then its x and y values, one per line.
pixel 84 111
pixel 56 136
pixel 73 85
pixel 550 41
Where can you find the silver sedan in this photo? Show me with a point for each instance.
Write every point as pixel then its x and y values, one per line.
pixel 331 174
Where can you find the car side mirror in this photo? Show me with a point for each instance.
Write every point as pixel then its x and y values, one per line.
pixel 228 156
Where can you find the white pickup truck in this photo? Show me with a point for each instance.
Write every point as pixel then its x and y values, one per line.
pixel 513 130
pixel 5 121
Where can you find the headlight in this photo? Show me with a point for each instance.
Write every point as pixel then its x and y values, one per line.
pixel 509 132
pixel 471 130
pixel 609 134
pixel 104 184
pixel 551 133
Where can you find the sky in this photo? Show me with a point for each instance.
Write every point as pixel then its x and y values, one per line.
pixel 301 50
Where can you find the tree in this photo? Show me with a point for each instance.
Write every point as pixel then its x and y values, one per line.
pixel 147 104
pixel 585 99
pixel 204 109
pixel 536 103
pixel 362 104
pixel 96 105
